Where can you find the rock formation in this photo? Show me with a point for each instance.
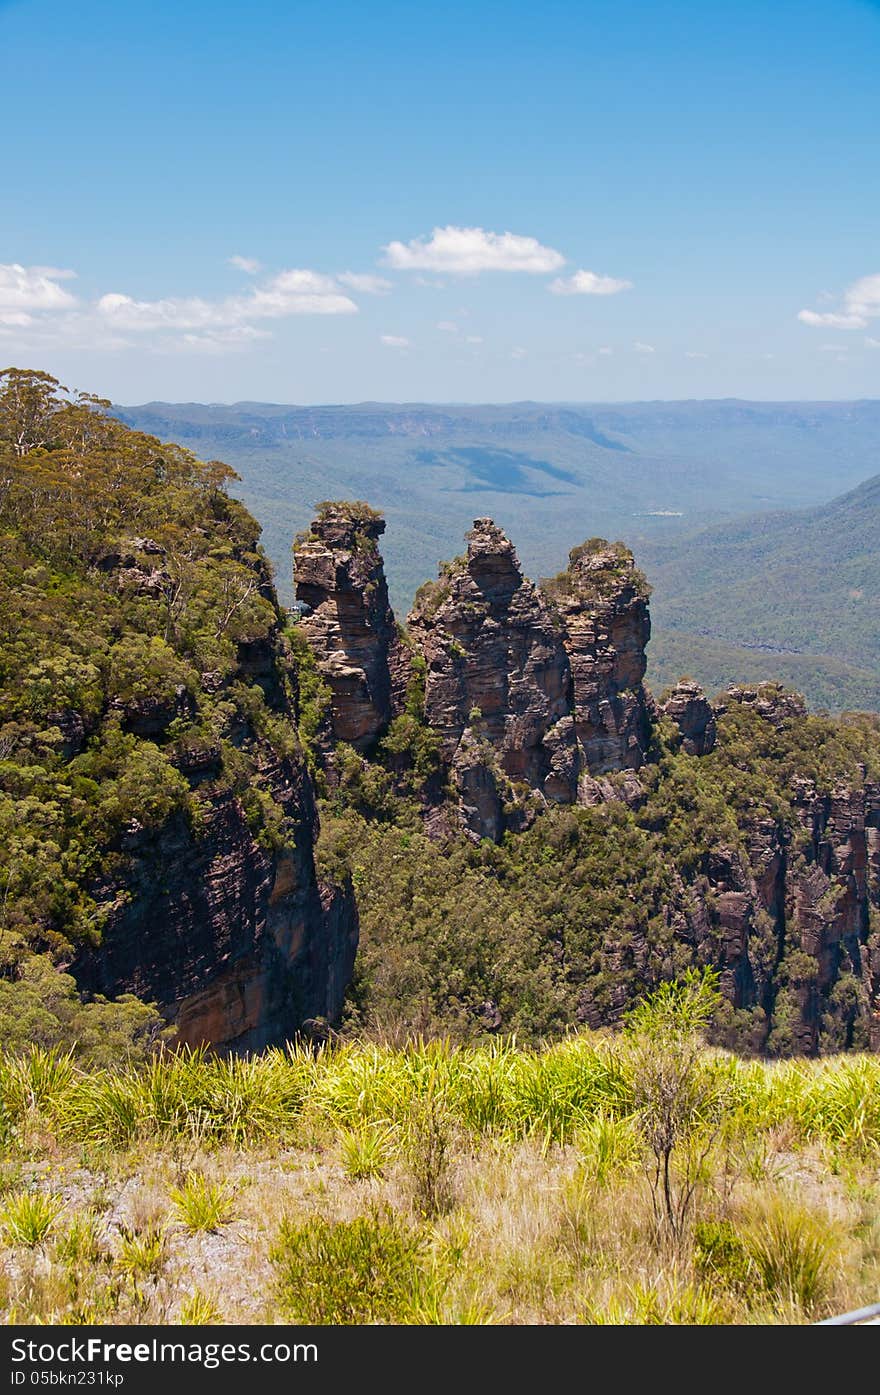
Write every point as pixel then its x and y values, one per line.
pixel 497 671
pixel 535 695
pixel 340 583
pixel 688 706
pixel 548 678
pixel 792 915
pixel 603 603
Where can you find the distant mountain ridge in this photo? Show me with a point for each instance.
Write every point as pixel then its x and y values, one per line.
pixel 657 475
pixel 804 583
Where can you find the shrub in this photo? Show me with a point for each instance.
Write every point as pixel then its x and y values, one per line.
pixel 679 1092
pixel 722 1258
pixel 428 1153
pixel 366 1270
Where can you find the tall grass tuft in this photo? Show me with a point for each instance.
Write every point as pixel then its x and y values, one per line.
pixel 202 1205
pixel 793 1253
pixel 198 1309
pixel 365 1151
pixel 142 1254
pixel 28 1217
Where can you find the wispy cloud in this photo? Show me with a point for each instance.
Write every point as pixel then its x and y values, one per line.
pixel 295 292
pixel 214 341
pixel 394 341
pixel 694 353
pixel 871 343
pixel 518 353
pixel 467 251
pixel 249 265
pixel 588 283
pixel 641 348
pixel 364 282
pixel 447 326
pixel 861 303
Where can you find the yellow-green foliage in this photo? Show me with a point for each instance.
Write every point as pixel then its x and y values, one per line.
pixel 499 1089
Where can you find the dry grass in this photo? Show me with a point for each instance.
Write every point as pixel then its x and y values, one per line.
pixel 512 1188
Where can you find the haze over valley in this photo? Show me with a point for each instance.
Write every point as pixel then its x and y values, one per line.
pixel 710 496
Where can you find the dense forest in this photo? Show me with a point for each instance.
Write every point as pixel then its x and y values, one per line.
pixel 133 594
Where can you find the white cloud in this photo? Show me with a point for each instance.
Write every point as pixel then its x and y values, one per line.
pixel 473 339
pixel 364 283
pixel 861 303
pixel 694 354
pixel 448 326
pixel 833 348
pixel 518 353
pixel 641 348
pixel 249 265
pixel 29 290
pixel 606 351
pixel 294 292
pixel 588 283
pixel 863 296
pixel 394 341
pixel 872 343
pixel 830 319
pixel 465 251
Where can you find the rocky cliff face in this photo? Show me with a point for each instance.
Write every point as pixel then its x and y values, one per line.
pixel 535 696
pixel 347 619
pixel 789 918
pixel 687 706
pixel 222 921
pixel 237 942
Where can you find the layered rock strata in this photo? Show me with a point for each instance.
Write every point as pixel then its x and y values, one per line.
pixel 602 600
pixel 789 920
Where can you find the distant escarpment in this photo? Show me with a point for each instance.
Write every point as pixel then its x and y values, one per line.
pixel 739 833
pixel 157 818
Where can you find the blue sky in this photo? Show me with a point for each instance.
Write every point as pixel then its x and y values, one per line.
pixel 479 202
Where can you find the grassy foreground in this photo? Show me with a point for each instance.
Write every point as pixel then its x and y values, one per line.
pixel 636 1178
